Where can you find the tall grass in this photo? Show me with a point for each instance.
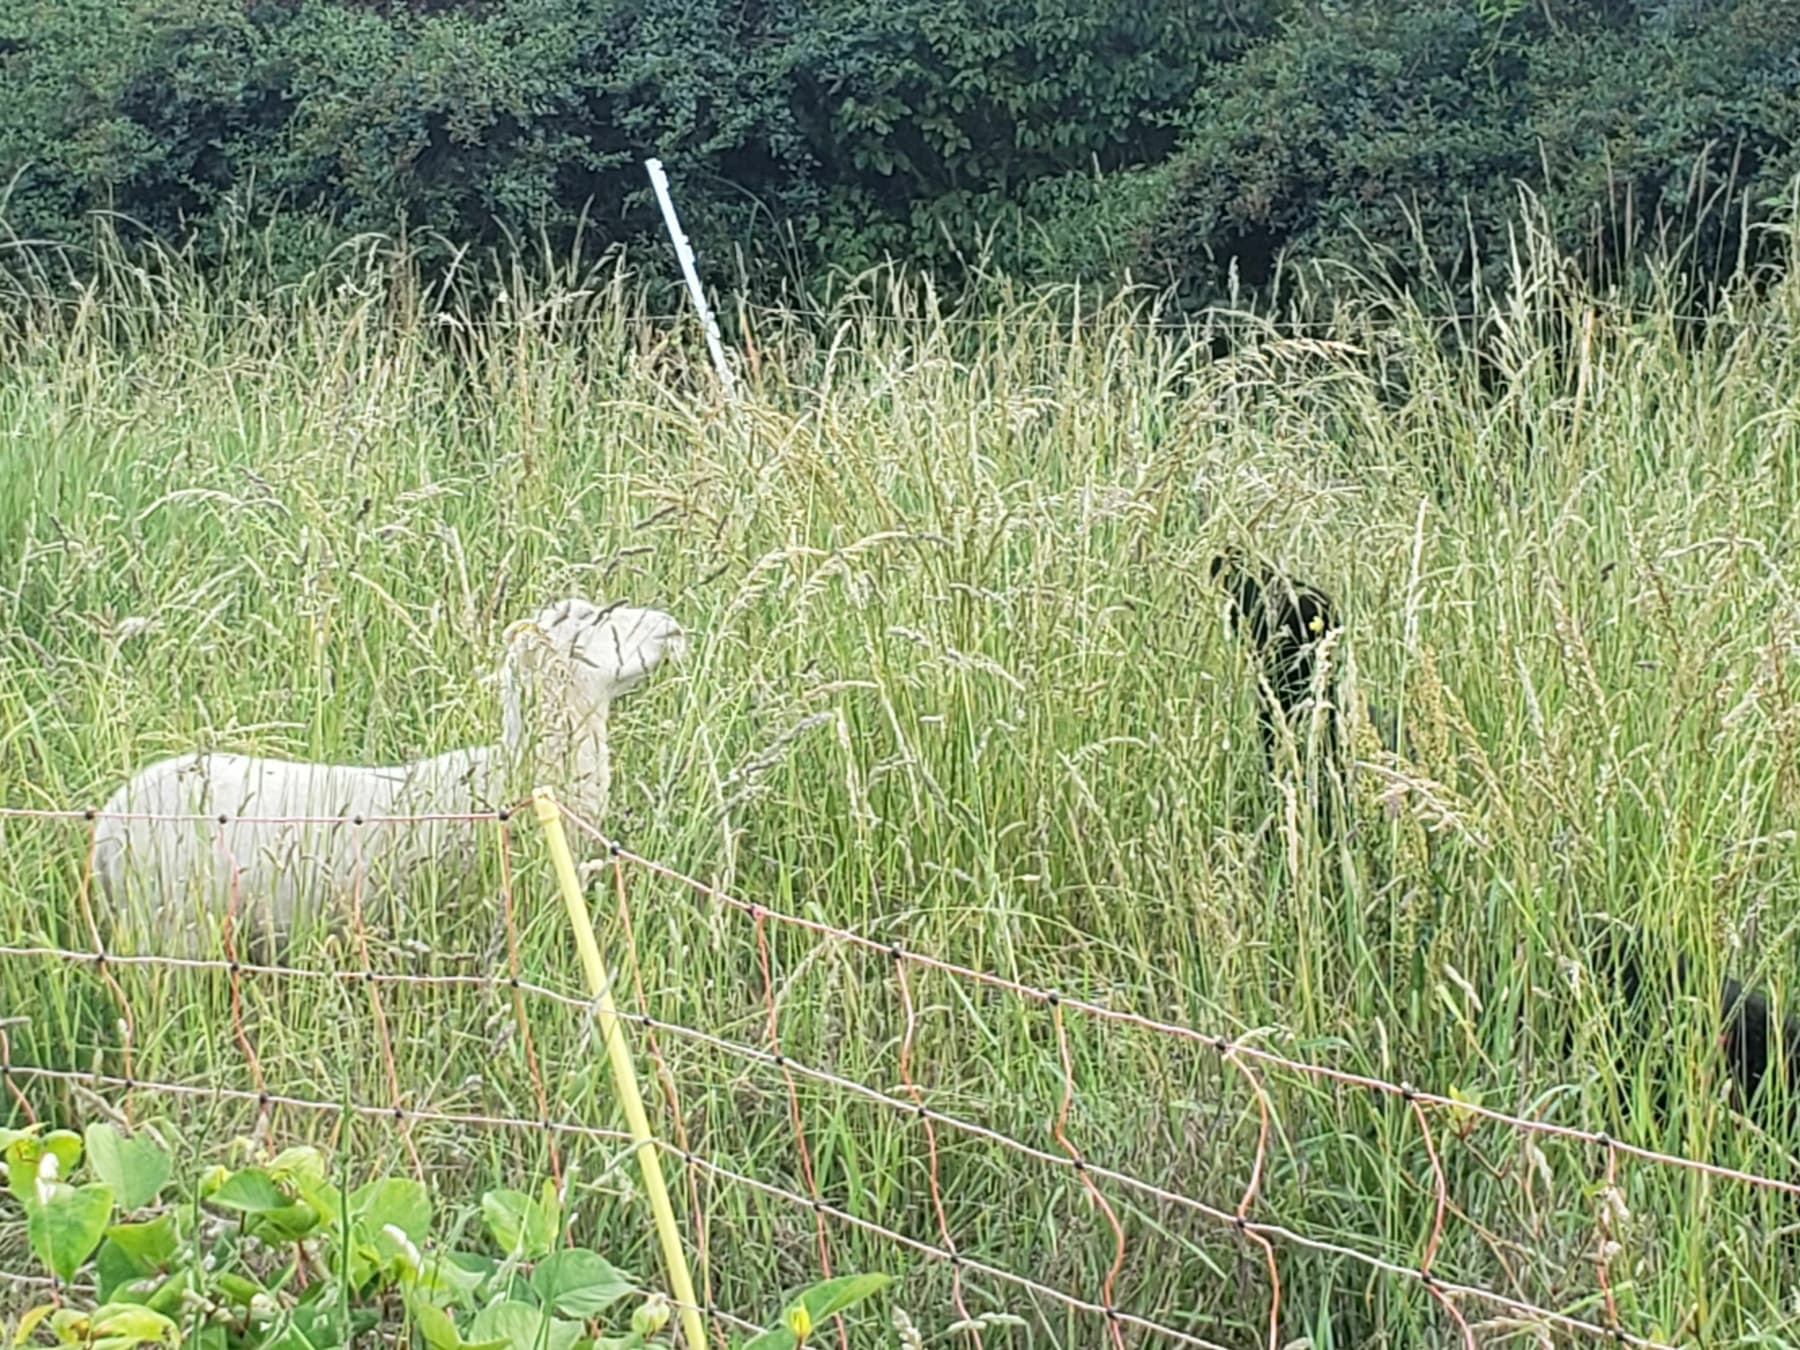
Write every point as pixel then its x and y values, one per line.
pixel 961 682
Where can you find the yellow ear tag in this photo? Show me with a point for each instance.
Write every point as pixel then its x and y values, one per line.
pixel 1317 624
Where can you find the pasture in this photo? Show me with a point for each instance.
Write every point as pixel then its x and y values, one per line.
pixel 959 681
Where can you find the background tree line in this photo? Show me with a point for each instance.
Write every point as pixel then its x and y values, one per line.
pixel 1053 139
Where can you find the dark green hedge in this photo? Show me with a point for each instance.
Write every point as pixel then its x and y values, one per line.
pixel 1062 138
pixel 813 129
pixel 1413 125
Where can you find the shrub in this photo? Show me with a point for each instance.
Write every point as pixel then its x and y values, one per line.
pixel 861 128
pixel 274 1254
pixel 1413 126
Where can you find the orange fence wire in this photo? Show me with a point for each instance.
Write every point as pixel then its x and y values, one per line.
pixel 1243 1056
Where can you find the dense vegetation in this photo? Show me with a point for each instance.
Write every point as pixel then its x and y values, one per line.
pixel 1050 138
pixel 961 682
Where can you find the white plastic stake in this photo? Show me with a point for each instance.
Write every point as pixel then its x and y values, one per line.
pixel 684 254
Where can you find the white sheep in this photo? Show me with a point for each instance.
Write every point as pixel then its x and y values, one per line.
pixel 289 830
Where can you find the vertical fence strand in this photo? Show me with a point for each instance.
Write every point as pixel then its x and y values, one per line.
pixel 509 918
pixel 1060 1129
pixel 1440 1186
pixel 85 898
pixel 793 1092
pixel 382 1038
pixel 228 935
pixel 1254 1185
pixel 931 1150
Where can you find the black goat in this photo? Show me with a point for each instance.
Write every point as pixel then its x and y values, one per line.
pixel 1746 1025
pixel 1284 621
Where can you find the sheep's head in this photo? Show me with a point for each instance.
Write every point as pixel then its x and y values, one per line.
pixel 572 658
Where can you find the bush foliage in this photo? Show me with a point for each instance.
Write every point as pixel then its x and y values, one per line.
pixel 1068 138
pixel 1660 128
pixel 275 1256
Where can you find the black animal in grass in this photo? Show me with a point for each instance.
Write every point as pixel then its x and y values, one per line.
pixel 1286 622
pixel 1747 1027
pixel 1288 625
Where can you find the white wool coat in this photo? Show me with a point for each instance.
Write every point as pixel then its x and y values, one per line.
pixel 276 844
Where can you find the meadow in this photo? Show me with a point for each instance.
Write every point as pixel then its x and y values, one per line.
pixel 960 682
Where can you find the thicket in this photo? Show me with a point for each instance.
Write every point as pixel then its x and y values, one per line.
pixel 1088 139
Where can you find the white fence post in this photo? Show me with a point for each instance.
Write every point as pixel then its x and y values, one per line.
pixel 684 254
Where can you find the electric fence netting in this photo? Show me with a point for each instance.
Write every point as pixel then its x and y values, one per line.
pixel 998 1190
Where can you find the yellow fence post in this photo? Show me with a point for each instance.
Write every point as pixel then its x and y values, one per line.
pixel 624 1074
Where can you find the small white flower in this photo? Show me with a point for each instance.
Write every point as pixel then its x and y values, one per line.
pixel 405 1244
pixel 47 1170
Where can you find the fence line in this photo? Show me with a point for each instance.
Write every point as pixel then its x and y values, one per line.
pixel 1053 998
pixel 1262 1233
pixel 1196 320
pixel 1230 1051
pixel 1240 1054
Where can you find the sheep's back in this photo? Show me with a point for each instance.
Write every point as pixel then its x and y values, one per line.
pixel 187 837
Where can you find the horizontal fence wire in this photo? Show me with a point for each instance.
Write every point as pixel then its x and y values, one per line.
pixel 1239 1054
pixel 747 313
pixel 620 1138
pixel 753 1054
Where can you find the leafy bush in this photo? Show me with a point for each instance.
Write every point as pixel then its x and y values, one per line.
pixel 927 120
pixel 862 128
pixel 1413 126
pixel 1067 138
pixel 275 1255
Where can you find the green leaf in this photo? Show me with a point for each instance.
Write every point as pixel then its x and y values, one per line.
pixel 814 1305
pixel 290 1223
pixel 321 1323
pixel 551 1205
pixel 457 1278
pixel 252 1191
pixel 114 1269
pixel 66 1145
pixel 28 1323
pixel 519 1224
pixel 440 1332
pixel 135 1168
pixel 25 1161
pixel 435 1326
pixel 9 1137
pixel 827 1298
pixel 169 1295
pixel 398 1201
pixel 303 1162
pixel 519 1325
pixel 578 1283
pixel 133 1325
pixel 151 1243
pixel 236 1288
pixel 68 1225
pixel 301 1171
pixel 133 1252
pixel 69 1324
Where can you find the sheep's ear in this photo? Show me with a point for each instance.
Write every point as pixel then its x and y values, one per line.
pixel 518 632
